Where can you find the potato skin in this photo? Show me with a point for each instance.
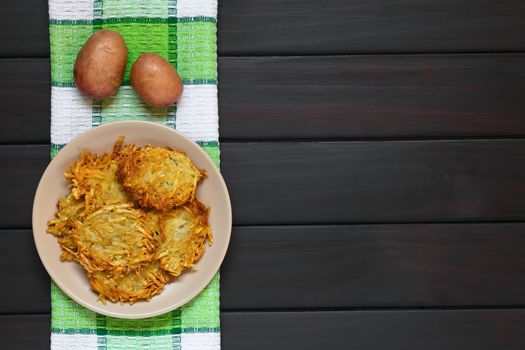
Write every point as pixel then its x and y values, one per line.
pixel 156 81
pixel 100 64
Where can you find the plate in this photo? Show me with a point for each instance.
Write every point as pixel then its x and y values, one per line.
pixel 71 277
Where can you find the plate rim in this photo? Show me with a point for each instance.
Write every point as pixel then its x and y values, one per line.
pixel 99 308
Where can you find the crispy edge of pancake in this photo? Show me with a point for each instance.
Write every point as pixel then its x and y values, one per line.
pixel 94 177
pixel 176 254
pixel 97 249
pixel 139 284
pixel 69 209
pixel 163 192
pixel 153 219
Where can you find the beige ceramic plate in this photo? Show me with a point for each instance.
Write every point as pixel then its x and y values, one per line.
pixel 70 277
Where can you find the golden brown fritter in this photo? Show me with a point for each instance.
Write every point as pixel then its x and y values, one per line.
pixel 114 238
pixel 184 231
pixel 139 284
pixel 69 210
pixel 158 177
pixel 94 177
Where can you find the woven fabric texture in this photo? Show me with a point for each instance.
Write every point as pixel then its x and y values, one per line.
pixel 183 32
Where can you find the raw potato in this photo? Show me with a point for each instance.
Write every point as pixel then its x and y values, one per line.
pixel 156 81
pixel 100 64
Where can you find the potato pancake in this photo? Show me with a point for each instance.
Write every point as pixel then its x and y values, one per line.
pixel 184 231
pixel 114 238
pixel 140 284
pixel 94 177
pixel 158 177
pixel 69 210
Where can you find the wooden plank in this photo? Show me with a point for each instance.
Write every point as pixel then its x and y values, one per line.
pixel 20 170
pixel 334 182
pixel 372 96
pixel 356 26
pixel 390 181
pixel 392 330
pixel 343 97
pixel 398 330
pixel 249 27
pixel 328 267
pixel 374 266
pixel 30 332
pixel 25 27
pixel 29 280
pixel 25 95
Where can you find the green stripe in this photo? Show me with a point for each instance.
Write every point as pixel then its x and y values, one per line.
pixel 128 83
pixel 102 21
pixel 207 143
pixel 100 324
pixel 193 19
pixel 55 149
pixel 72 331
pixel 96 110
pixel 71 22
pixel 101 332
pixel 196 56
pixel 171 117
pixel 62 84
pixel 134 333
pixel 149 36
pixel 176 325
pixel 199 81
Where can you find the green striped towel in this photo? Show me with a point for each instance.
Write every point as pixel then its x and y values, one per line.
pixel 184 32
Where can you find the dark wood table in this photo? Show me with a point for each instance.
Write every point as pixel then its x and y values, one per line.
pixel 375 155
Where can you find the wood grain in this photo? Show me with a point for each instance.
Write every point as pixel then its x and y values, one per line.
pixel 25 93
pixel 392 330
pixel 307 267
pixel 329 267
pixel 364 26
pixel 25 28
pixel 334 182
pixel 248 27
pixel 372 182
pixel 388 330
pixel 372 96
pixel 31 332
pixel 30 291
pixel 356 97
pixel 21 167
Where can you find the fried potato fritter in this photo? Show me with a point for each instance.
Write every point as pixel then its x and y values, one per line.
pixel 115 238
pixel 94 177
pixel 158 177
pixel 69 210
pixel 184 231
pixel 140 284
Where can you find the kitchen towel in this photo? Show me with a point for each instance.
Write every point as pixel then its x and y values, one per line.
pixel 183 32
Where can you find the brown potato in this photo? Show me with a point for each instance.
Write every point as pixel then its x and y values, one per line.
pixel 155 80
pixel 100 64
